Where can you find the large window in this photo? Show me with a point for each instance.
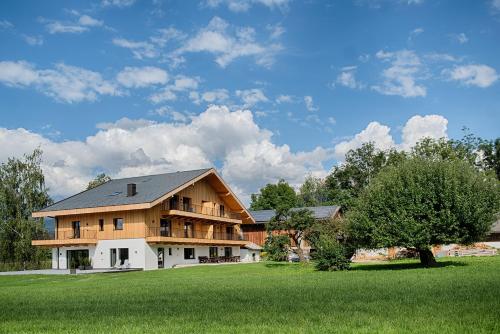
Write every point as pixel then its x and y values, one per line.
pixel 213 251
pixel 188 253
pixel 123 254
pixel 221 210
pixel 101 224
pixel 118 224
pixel 228 251
pixel 174 202
pixel 186 204
pixel 165 227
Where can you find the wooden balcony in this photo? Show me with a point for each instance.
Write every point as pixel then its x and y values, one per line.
pixel 165 236
pixel 201 212
pixel 67 238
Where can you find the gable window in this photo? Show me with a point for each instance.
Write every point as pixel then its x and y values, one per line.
pixel 118 224
pixel 188 253
pixel 213 251
pixel 221 210
pixel 174 202
pixel 101 224
pixel 228 251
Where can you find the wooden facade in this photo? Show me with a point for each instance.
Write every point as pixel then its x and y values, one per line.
pixel 219 219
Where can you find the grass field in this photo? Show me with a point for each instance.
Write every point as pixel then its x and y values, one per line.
pixel 462 296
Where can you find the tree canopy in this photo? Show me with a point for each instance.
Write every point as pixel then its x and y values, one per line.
pixel 22 191
pixel 98 180
pixel 423 202
pixel 274 196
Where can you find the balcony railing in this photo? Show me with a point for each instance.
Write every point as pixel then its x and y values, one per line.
pixel 68 235
pixel 203 210
pixel 176 233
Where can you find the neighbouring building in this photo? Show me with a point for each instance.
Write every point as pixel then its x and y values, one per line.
pixel 256 232
pixel 250 252
pixel 148 222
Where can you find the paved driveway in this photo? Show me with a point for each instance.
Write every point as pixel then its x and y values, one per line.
pixel 63 272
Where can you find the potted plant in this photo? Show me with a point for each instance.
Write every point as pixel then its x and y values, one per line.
pixel 88 264
pixel 72 267
pixel 81 266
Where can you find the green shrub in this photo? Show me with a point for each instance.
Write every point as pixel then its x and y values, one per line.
pixel 276 247
pixel 330 255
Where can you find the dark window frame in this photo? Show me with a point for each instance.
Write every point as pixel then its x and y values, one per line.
pixel 228 251
pixel 116 225
pixel 101 224
pixel 189 253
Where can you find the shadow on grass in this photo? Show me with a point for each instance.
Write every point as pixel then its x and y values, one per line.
pixel 277 264
pixel 403 265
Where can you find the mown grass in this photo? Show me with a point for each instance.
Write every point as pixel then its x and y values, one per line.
pixel 461 296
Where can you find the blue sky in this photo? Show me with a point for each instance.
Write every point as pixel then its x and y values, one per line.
pixel 261 89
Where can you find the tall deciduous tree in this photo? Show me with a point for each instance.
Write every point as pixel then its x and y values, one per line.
pixel 274 196
pixel 295 223
pixel 423 202
pixel 98 180
pixel 313 192
pixel 22 191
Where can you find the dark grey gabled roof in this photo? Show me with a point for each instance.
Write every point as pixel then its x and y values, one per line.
pixel 114 192
pixel 319 212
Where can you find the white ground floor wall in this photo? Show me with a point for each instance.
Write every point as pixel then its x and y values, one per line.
pixel 249 255
pixel 140 254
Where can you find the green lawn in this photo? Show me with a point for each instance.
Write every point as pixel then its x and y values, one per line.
pixel 461 296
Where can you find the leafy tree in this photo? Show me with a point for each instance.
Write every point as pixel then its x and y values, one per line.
pixel 313 192
pixel 347 180
pixel 276 247
pixel 22 191
pixel 274 196
pixel 295 223
pixel 98 180
pixel 491 155
pixel 423 202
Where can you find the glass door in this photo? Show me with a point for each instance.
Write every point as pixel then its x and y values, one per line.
pixel 165 227
pixel 113 257
pixel 75 258
pixel 76 230
pixel 161 256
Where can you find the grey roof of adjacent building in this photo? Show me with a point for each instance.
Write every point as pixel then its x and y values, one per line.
pixel 114 192
pixel 252 246
pixel 319 212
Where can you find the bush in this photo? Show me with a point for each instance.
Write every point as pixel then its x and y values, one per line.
pixel 330 255
pixel 276 247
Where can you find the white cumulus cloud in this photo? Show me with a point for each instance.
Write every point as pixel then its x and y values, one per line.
pixel 142 76
pixel 473 75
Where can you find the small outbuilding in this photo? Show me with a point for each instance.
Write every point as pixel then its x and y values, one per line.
pixel 250 252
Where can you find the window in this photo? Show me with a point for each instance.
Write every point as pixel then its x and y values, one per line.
pixel 101 224
pixel 170 251
pixel 186 204
pixel 188 230
pixel 212 252
pixel 174 202
pixel 188 253
pixel 123 255
pixel 165 227
pixel 221 210
pixel 228 251
pixel 76 229
pixel 161 252
pixel 118 223
pixel 229 233
pixel 113 256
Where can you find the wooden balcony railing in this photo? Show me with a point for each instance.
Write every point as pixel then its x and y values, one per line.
pixel 177 233
pixel 68 235
pixel 203 210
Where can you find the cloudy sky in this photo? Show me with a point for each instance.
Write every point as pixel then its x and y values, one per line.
pixel 259 89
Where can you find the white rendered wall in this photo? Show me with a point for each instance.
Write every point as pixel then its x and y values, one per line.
pixel 246 255
pixel 136 252
pixel 63 261
pixel 177 256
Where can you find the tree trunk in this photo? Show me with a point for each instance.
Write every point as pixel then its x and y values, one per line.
pixel 426 257
pixel 300 253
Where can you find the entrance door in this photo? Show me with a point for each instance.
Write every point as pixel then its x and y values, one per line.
pixel 75 257
pixel 161 257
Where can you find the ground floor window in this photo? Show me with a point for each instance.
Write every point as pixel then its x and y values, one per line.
pixel 213 252
pixel 118 256
pixel 228 251
pixel 188 253
pixel 77 258
pixel 170 251
pixel 112 252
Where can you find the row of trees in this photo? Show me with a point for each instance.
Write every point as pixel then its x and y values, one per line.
pixel 442 191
